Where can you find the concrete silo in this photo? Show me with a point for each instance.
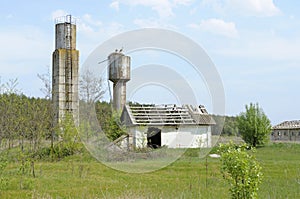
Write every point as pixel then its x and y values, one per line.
pixel 65 63
pixel 119 74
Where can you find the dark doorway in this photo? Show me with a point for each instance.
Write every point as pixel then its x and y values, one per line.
pixel 154 137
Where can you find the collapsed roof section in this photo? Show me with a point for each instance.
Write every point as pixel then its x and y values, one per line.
pixel 294 124
pixel 165 115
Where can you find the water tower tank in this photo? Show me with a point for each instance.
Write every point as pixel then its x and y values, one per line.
pixel 65 33
pixel 119 74
pixel 119 67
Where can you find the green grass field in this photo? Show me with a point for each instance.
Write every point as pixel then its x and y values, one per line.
pixel 80 176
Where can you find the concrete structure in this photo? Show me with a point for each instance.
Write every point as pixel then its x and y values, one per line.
pixel 156 126
pixel 65 69
pixel 119 74
pixel 286 131
pixel 167 125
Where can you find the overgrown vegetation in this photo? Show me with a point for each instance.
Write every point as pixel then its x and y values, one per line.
pixel 68 139
pixel 39 160
pixel 109 121
pixel 3 179
pixel 241 170
pixel 225 125
pixel 28 123
pixel 81 176
pixel 24 119
pixel 254 126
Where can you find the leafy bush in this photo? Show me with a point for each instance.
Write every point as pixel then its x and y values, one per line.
pixel 113 128
pixel 3 180
pixel 241 170
pixel 69 141
pixel 42 153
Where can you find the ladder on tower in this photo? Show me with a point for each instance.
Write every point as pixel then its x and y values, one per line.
pixel 68 65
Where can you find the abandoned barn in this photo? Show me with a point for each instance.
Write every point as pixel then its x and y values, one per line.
pixel 167 125
pixel 156 125
pixel 286 131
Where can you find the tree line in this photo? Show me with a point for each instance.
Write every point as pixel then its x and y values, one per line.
pixel 225 125
pixel 30 120
pixel 27 122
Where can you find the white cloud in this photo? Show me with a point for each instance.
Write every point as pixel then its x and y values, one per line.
pixel 88 19
pixel 164 8
pixel 152 23
pixel 255 7
pixel 9 16
pixel 146 23
pixel 58 13
pixel 183 2
pixel 115 5
pixel 90 36
pixel 217 26
pixel 113 29
pixel 260 8
pixel 93 28
pixel 86 29
pixel 264 47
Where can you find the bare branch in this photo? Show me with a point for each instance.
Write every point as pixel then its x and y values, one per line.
pixel 91 87
pixel 11 86
pixel 47 87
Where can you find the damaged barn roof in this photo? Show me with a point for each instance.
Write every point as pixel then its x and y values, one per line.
pixel 294 124
pixel 165 115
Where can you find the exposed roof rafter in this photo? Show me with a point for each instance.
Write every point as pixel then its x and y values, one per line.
pixel 168 115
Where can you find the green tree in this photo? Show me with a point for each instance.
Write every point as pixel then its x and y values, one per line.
pixel 109 121
pixel 113 128
pixel 69 141
pixel 241 170
pixel 254 126
pixel 225 125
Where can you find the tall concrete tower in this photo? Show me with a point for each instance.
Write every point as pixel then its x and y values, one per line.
pixel 65 62
pixel 119 74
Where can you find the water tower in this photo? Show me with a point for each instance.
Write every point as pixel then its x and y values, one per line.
pixel 65 69
pixel 119 74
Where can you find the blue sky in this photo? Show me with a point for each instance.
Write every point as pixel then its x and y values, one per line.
pixel 255 44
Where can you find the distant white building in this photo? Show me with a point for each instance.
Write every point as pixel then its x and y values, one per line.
pixel 286 131
pixel 167 125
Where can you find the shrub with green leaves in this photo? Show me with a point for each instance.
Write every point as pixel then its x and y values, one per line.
pixel 241 170
pixel 69 140
pixel 113 128
pixel 3 180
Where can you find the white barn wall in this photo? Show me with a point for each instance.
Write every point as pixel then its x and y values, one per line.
pixel 139 136
pixel 184 137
